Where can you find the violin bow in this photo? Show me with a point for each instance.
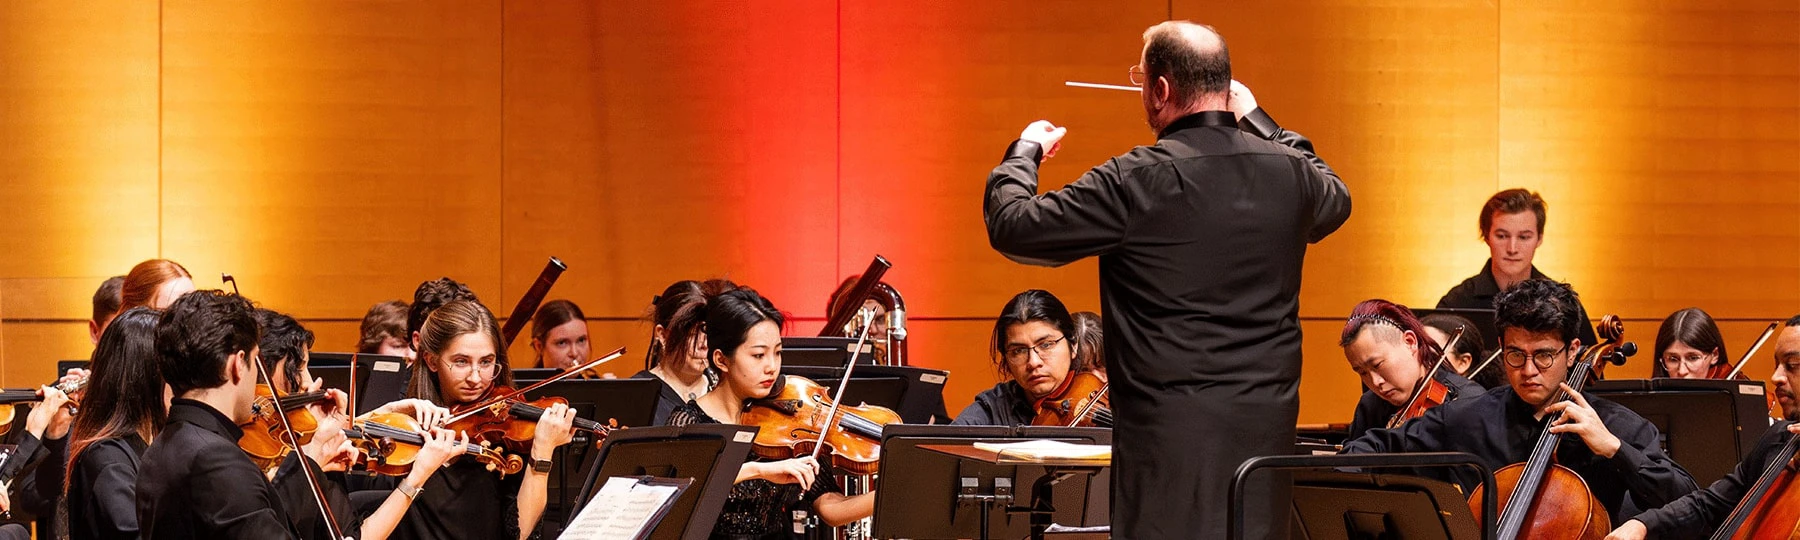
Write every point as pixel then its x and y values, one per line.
pixel 1486 363
pixel 293 439
pixel 1770 331
pixel 489 402
pixel 837 397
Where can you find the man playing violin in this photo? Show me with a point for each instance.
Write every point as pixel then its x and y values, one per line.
pixel 1701 512
pixel 1034 347
pixel 1617 452
pixel 1387 347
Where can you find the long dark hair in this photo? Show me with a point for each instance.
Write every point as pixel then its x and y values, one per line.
pixel 681 311
pixel 730 315
pixel 1378 312
pixel 442 326
pixel 1693 327
pixel 1035 305
pixel 124 389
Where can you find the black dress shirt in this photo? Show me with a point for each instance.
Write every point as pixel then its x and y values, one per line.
pixel 1003 405
pixel 1698 514
pixel 1479 290
pixel 194 482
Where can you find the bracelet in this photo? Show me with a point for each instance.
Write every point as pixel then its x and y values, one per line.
pixel 410 491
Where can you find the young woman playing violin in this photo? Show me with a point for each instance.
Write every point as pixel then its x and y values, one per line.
pixel 1387 347
pixel 743 335
pixel 461 360
pixel 1702 512
pixel 1034 349
pixel 677 352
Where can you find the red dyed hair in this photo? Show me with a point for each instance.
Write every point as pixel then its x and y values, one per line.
pixel 1385 313
pixel 143 280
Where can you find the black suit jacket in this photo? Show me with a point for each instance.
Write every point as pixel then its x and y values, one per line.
pixel 194 482
pixel 103 490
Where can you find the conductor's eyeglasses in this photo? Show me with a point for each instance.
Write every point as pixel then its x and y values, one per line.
pixel 1137 75
pixel 1019 354
pixel 1543 359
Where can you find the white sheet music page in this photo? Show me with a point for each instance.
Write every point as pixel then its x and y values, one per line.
pixel 622 508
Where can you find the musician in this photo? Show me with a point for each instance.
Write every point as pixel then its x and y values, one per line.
pixel 125 407
pixel 677 352
pixel 1468 354
pixel 743 336
pixel 33 475
pixel 1618 453
pixel 193 480
pixel 154 283
pixel 463 362
pixel 1201 239
pixel 1512 225
pixel 383 331
pixel 559 335
pixel 1034 350
pixel 1386 347
pixel 1698 514
pixel 1090 342
pixel 429 296
pixel 106 305
pixel 1689 346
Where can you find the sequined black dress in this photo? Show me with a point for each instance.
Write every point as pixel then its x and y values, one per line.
pixel 759 509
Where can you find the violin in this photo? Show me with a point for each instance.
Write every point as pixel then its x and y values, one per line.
pixel 1722 370
pixel 1771 509
pixel 263 434
pixel 11 397
pixel 1544 500
pixel 391 441
pixel 1082 400
pixel 795 415
pixel 1428 392
pixel 512 423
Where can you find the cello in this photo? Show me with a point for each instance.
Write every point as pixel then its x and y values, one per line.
pixel 1544 500
pixel 1771 509
pixel 1429 392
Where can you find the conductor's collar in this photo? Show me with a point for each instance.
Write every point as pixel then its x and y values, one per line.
pixel 1200 119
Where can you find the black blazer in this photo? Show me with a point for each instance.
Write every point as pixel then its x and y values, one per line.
pixel 103 490
pixel 194 482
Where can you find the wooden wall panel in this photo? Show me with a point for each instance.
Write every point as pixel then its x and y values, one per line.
pixel 332 155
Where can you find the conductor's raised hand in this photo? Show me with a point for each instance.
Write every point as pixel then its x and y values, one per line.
pixel 1580 419
pixel 1242 102
pixel 1047 135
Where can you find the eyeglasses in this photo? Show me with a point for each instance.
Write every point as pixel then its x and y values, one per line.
pixel 1670 362
pixel 486 369
pixel 1019 354
pixel 1137 75
pixel 1543 359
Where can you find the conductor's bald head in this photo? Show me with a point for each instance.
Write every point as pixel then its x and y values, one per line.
pixel 1186 68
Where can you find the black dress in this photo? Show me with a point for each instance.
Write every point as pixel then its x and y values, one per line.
pixel 1003 405
pixel 1201 239
pixel 1479 290
pixel 465 501
pixel 666 400
pixel 1373 412
pixel 103 490
pixel 758 508
pixel 1500 430
pixel 1698 514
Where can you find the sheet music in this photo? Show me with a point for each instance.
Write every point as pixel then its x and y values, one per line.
pixel 625 507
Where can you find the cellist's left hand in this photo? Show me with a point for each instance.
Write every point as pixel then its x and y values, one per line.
pixel 1580 419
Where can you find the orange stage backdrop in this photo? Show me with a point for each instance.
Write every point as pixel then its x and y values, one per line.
pixel 335 154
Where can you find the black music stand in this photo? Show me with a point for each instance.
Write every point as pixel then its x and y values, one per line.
pixel 380 379
pixel 830 352
pixel 1356 506
pixel 629 402
pixel 711 454
pixel 1707 425
pixel 63 366
pixel 914 392
pixel 927 494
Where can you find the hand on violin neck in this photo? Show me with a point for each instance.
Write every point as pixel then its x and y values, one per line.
pixel 440 446
pixel 42 415
pixel 1580 419
pixel 555 428
pixel 329 447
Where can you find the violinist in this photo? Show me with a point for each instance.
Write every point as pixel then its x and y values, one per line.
pixel 1034 350
pixel 1467 355
pixel 1512 225
pixel 1700 513
pixel 383 331
pixel 125 407
pixel 1090 341
pixel 1689 346
pixel 743 336
pixel 1387 348
pixel 1618 453
pixel 193 479
pixel 461 360
pixel 559 335
pixel 677 352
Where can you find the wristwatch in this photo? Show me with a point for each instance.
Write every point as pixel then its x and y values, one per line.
pixel 542 465
pixel 409 490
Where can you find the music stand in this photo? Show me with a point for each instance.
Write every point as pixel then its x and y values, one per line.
pixel 711 454
pixel 63 366
pixel 1346 506
pixel 380 379
pixel 829 352
pixel 926 494
pixel 630 402
pixel 1706 425
pixel 916 393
